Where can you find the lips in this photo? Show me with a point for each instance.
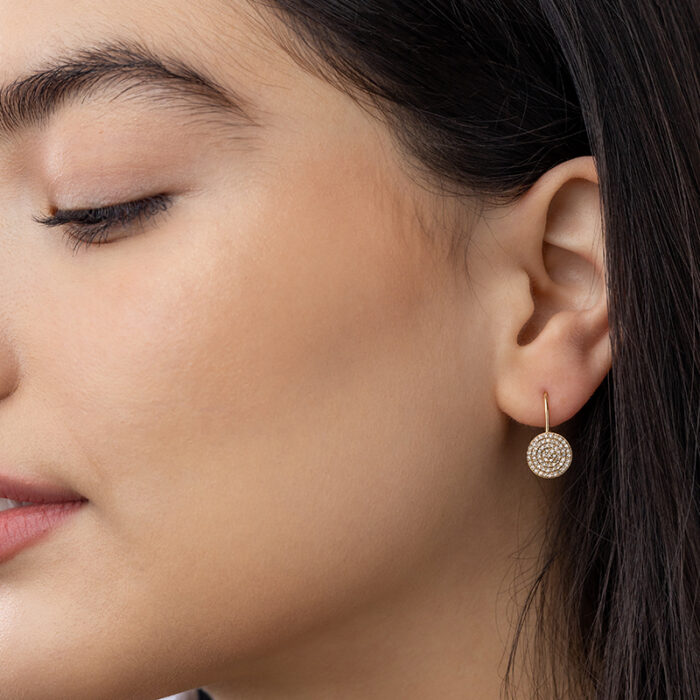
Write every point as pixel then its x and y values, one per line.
pixel 34 491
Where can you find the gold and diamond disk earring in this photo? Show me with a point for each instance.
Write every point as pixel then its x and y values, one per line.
pixel 548 454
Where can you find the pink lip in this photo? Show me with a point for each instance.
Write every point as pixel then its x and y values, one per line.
pixel 24 525
pixel 35 491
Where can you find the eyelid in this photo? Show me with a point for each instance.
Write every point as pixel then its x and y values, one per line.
pixel 87 215
pixel 92 226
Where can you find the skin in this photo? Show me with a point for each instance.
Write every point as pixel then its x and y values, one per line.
pixel 300 426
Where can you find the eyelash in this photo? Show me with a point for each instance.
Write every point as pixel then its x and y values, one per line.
pixel 92 226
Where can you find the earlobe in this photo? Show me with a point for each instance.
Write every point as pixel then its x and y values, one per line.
pixel 563 346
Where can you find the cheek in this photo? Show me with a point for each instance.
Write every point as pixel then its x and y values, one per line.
pixel 240 332
pixel 258 397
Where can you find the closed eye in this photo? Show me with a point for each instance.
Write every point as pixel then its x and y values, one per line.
pixel 93 226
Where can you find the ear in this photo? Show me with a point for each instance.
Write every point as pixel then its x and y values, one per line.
pixel 552 333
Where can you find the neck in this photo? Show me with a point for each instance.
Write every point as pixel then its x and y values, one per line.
pixel 445 632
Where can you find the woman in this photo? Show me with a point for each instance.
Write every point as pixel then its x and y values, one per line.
pixel 289 293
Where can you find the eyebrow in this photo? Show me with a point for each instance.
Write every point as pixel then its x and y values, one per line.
pixel 124 65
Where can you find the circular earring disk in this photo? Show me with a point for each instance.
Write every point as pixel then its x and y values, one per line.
pixel 549 454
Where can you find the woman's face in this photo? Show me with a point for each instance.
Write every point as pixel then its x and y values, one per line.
pixel 272 389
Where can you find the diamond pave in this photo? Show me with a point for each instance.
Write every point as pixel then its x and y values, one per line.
pixel 549 454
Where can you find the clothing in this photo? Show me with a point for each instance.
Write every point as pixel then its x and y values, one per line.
pixel 196 694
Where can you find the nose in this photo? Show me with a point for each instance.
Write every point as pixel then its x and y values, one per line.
pixel 9 366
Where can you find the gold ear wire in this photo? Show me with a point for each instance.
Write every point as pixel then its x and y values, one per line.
pixel 548 454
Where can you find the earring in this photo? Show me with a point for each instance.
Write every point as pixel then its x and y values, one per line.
pixel 548 454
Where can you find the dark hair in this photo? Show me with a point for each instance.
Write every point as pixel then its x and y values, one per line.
pixel 487 95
